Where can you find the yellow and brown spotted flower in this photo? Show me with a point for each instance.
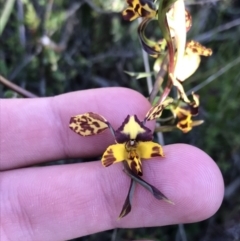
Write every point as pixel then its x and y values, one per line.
pixel 185 122
pixel 184 114
pixel 147 10
pixel 134 142
pixel 133 139
pixel 191 59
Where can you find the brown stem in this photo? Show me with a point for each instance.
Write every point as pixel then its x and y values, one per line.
pixel 127 206
pixel 170 67
pixel 17 88
pixel 159 79
pixel 155 192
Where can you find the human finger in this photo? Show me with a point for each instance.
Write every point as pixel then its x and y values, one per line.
pixel 36 130
pixel 63 202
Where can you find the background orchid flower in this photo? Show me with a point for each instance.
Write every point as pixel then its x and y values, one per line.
pixel 183 59
pixel 184 113
pixel 133 143
pixel 181 118
pixel 147 9
pixel 191 59
pixel 184 117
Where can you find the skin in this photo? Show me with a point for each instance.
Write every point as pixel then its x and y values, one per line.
pixel 67 201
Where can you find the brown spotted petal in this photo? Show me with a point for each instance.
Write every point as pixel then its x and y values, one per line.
pixel 88 124
pixel 198 48
pixel 139 8
pixel 114 153
pixel 129 14
pixel 191 59
pixel 134 162
pixel 194 105
pixel 156 111
pixel 149 149
pixel 132 129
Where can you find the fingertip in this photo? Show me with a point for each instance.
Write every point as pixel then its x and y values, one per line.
pixel 114 104
pixel 189 178
pixel 198 182
pixel 110 102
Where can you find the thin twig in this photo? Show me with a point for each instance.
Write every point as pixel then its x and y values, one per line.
pixel 206 36
pixel 21 27
pixel 27 59
pixel 159 79
pixel 214 76
pixel 146 66
pixel 232 189
pixel 114 235
pixel 69 26
pixel 96 8
pixel 181 234
pixel 201 2
pixel 17 88
pixel 47 14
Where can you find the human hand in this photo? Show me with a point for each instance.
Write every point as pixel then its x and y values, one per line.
pixel 67 201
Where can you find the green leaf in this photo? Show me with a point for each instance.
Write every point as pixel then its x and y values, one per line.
pixel 139 75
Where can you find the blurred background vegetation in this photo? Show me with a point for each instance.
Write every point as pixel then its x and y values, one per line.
pixel 49 47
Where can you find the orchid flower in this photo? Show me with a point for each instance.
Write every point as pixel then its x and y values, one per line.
pixel 146 9
pixel 181 117
pixel 183 58
pixel 185 122
pixel 191 59
pixel 133 143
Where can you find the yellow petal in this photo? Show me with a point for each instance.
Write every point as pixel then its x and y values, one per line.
pixel 185 125
pixel 188 65
pixel 184 119
pixel 132 129
pixel 114 153
pixel 199 49
pixel 148 149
